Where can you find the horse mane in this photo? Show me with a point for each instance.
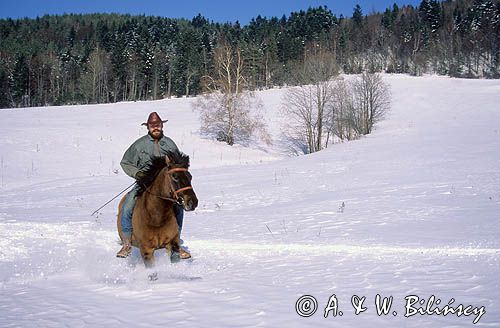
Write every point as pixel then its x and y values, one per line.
pixel 179 158
pixel 158 163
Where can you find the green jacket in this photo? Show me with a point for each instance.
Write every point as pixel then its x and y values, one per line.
pixel 139 154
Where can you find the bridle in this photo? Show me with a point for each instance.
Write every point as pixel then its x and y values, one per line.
pixel 176 199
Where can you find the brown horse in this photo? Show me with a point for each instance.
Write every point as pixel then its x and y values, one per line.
pixel 153 221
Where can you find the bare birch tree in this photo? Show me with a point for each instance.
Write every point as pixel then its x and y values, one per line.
pixel 306 107
pixel 341 115
pixel 372 101
pixel 95 80
pixel 336 109
pixel 230 112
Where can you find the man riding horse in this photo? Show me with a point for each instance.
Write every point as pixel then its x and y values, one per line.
pixel 135 160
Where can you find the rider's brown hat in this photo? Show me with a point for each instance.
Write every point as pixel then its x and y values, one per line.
pixel 154 118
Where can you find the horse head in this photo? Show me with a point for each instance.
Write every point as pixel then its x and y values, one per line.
pixel 177 172
pixel 169 178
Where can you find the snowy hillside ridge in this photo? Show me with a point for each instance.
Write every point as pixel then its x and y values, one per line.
pixel 410 209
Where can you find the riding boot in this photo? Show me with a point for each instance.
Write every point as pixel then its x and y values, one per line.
pixel 184 254
pixel 126 248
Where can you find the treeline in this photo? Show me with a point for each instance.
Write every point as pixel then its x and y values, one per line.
pixel 99 58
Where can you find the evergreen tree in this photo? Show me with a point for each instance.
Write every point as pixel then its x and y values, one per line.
pixel 48 60
pixel 357 16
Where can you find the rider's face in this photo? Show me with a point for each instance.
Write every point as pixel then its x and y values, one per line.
pixel 155 129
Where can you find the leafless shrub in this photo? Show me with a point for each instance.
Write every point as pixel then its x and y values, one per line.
pixel 235 124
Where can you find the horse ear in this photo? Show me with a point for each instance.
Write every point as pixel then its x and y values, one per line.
pixel 167 160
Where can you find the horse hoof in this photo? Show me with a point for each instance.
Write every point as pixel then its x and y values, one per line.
pixel 153 276
pixel 175 257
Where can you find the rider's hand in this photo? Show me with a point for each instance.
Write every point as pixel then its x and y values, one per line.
pixel 140 176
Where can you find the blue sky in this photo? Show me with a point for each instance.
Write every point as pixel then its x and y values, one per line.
pixel 216 10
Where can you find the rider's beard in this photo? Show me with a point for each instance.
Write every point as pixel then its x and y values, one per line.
pixel 156 134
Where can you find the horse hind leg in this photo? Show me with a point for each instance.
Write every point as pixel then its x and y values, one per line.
pixel 119 220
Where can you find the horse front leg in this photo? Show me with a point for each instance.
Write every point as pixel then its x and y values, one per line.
pixel 173 249
pixel 147 254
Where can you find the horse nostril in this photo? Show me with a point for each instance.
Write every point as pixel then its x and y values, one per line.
pixel 190 204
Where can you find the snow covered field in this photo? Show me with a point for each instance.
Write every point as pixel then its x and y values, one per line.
pixel 421 217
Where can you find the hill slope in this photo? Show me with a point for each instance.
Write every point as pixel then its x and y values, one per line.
pixel 420 216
